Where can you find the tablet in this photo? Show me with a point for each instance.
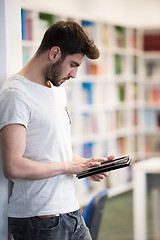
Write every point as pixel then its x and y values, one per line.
pixel 106 166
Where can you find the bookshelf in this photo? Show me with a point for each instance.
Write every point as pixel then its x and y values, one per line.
pixel 113 99
pixel 150 93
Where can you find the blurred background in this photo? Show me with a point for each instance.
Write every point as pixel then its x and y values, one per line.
pixel 114 102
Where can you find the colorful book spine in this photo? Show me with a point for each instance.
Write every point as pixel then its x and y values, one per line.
pixel 49 18
pixel 23 23
pixel 152 96
pixel 151 42
pixel 122 146
pixel 90 124
pixel 26 25
pixel 89 27
pixel 88 92
pixel 121 90
pixel 118 64
pixel 133 39
pixel 120 36
pixel 105 36
pixel 151 119
pixel 88 150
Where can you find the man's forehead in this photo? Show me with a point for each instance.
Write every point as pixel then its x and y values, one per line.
pixel 77 58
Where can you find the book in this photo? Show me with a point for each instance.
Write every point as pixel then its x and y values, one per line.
pixel 133 39
pixel 120 35
pixel 49 18
pixel 121 91
pixel 87 92
pixel 26 25
pixel 151 42
pixel 89 28
pixel 119 62
pixel 88 149
pixel 23 23
pixel 122 145
pixel 105 36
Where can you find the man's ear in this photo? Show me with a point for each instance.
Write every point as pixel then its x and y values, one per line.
pixel 54 54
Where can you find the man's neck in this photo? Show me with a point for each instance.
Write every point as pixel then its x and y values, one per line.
pixel 33 71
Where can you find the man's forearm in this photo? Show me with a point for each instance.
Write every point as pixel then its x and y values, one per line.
pixel 28 169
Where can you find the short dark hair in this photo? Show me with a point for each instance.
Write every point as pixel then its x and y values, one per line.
pixel 70 37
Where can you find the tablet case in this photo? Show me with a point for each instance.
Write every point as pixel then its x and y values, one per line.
pixel 106 167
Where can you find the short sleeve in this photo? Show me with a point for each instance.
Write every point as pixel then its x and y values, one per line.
pixel 13 108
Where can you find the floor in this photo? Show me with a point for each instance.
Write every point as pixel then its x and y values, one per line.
pixel 117 221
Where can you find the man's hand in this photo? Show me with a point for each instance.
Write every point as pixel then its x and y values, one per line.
pixel 99 177
pixel 80 164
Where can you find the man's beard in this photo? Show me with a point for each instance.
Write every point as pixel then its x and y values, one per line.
pixel 52 73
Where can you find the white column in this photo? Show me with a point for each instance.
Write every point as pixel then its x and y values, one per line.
pixel 139 204
pixel 10 62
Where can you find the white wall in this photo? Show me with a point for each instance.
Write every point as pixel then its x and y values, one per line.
pixel 10 62
pixel 145 13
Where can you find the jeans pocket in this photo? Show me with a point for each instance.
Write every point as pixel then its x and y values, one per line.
pixel 15 228
pixel 45 229
pixel 44 224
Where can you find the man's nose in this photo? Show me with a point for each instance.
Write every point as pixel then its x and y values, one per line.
pixel 73 73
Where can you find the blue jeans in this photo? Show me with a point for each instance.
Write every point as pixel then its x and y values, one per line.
pixel 69 226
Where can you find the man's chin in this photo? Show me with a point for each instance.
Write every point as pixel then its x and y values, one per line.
pixel 60 82
pixel 57 84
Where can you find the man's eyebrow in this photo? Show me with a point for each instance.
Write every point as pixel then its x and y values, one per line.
pixel 75 63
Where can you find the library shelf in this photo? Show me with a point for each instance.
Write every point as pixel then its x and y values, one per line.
pixel 149 112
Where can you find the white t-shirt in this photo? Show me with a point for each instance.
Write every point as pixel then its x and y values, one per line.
pixel 42 111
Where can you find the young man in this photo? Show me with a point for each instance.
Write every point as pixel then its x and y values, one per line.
pixel 36 143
